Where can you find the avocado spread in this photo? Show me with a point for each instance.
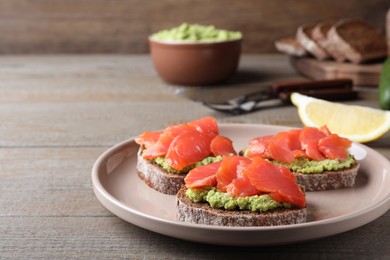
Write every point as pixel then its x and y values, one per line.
pixel 218 199
pixel 161 161
pixel 305 165
pixel 196 33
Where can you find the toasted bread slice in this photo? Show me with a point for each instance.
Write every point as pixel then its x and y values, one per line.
pixel 358 41
pixel 157 178
pixel 202 213
pixel 304 37
pixel 328 180
pixel 290 46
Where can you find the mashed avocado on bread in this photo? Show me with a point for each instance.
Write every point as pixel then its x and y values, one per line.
pixel 161 162
pixel 307 166
pixel 218 199
pixel 196 33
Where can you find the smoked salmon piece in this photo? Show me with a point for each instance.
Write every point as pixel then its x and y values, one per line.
pixel 147 139
pixel 205 125
pixel 230 167
pixel 279 148
pixel 335 147
pixel 309 137
pixel 242 186
pixel 202 176
pixel 221 145
pixel 275 180
pixel 187 149
pixel 259 147
pixel 240 177
pixel 315 143
pixel 159 148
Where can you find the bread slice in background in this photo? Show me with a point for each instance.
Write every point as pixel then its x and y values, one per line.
pixel 304 37
pixel 290 46
pixel 358 41
pixel 328 180
pixel 202 213
pixel 320 36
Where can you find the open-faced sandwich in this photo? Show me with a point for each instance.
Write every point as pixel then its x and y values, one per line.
pixel 320 159
pixel 242 192
pixel 165 157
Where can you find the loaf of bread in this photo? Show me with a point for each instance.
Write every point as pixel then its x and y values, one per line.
pixel 344 40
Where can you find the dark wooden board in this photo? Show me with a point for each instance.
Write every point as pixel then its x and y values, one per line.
pixel 362 75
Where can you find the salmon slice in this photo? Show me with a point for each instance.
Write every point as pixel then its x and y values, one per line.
pixel 147 139
pixel 160 148
pixel 221 145
pixel 202 176
pixel 187 149
pixel 309 137
pixel 279 148
pixel 228 170
pixel 242 186
pixel 275 180
pixel 259 147
pixel 205 125
pixel 335 147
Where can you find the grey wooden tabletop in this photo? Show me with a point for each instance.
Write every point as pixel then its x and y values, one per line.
pixel 59 113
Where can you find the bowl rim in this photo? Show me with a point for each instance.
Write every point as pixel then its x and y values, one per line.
pixel 189 42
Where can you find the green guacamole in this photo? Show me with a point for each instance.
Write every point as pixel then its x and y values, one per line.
pixel 161 161
pixel 218 199
pixel 305 165
pixel 196 33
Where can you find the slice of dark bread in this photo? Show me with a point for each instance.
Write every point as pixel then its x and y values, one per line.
pixel 358 41
pixel 304 37
pixel 157 178
pixel 328 180
pixel 290 46
pixel 320 36
pixel 202 213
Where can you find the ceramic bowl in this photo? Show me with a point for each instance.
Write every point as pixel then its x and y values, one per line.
pixel 195 63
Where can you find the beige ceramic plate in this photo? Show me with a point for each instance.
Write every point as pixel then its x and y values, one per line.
pixel 119 189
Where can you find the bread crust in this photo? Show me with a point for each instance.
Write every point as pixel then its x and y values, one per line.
pixel 304 37
pixel 202 213
pixel 290 46
pixel 357 41
pixel 328 180
pixel 155 177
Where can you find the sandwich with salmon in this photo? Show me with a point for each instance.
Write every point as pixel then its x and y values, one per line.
pixel 242 192
pixel 166 156
pixel 319 158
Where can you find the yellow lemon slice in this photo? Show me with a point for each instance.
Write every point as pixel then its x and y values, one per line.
pixel 358 123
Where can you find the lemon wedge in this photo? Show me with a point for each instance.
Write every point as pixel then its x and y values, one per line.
pixel 358 123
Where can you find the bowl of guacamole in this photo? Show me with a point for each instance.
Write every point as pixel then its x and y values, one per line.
pixel 195 55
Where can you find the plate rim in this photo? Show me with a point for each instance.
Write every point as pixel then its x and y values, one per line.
pixel 102 194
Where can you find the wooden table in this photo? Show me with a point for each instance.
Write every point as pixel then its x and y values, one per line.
pixel 59 113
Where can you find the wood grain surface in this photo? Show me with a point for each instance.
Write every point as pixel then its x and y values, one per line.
pixel 111 26
pixel 59 113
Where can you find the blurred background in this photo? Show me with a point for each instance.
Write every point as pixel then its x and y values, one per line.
pixel 122 26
